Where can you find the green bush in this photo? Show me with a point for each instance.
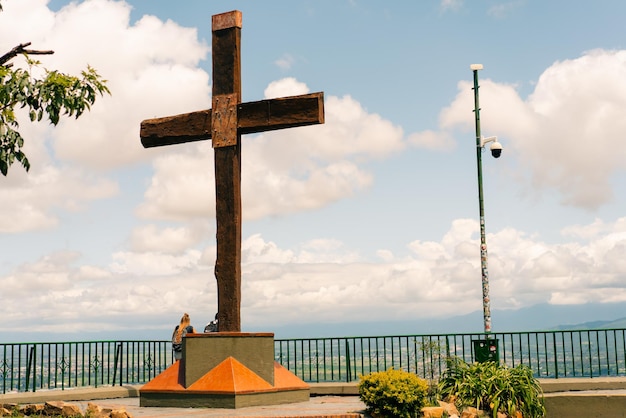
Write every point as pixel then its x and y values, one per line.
pixel 493 388
pixel 394 393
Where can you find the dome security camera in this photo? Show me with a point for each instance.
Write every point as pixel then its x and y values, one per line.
pixel 496 149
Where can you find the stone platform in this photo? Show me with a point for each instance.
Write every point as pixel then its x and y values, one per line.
pixel 225 370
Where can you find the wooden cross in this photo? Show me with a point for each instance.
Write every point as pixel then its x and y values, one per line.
pixel 224 124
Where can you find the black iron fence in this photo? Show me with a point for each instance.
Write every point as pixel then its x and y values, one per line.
pixel 60 365
pixel 550 354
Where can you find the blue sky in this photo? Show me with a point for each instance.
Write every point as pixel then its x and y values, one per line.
pixel 372 215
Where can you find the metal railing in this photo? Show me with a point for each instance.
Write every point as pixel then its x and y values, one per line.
pixel 550 354
pixel 61 365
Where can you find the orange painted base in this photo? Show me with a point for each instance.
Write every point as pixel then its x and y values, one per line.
pixel 228 385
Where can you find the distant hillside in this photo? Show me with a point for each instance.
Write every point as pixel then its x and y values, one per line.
pixel 618 323
pixel 542 317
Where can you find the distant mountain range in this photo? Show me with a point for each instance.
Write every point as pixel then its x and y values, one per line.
pixel 543 317
pixel 616 324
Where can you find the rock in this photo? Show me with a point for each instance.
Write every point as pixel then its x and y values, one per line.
pixel 71 410
pixel 432 411
pixel 35 409
pixel 53 407
pixel 450 408
pixel 96 411
pixel 120 413
pixel 469 412
pixel 93 408
pixel 61 408
pixel 6 409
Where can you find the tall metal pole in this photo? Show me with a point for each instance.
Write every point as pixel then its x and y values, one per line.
pixel 483 240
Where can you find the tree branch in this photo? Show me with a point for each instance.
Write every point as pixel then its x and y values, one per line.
pixel 21 49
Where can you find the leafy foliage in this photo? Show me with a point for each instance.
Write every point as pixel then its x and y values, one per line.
pixel 54 95
pixel 394 393
pixel 493 387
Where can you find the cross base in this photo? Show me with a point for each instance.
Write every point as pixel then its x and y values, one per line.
pixel 225 370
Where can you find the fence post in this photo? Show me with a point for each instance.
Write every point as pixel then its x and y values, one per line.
pixel 348 362
pixel 118 357
pixel 556 360
pixel 28 367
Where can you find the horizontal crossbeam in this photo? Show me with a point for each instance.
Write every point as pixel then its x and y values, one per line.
pixel 252 117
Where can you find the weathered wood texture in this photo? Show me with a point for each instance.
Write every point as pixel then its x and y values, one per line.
pixel 281 113
pixel 227 81
pixel 224 124
pixel 252 117
pixel 188 127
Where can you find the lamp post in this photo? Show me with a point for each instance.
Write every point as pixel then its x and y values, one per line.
pixel 496 150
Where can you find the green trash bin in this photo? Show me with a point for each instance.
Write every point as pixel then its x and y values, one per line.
pixel 486 350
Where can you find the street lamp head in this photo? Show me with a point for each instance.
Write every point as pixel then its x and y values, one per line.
pixel 475 67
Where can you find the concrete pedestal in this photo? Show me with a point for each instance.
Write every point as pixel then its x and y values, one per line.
pixel 225 370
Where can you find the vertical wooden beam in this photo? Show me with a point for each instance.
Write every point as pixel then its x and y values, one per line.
pixel 226 42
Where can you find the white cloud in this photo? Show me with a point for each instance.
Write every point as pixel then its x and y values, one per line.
pixel 183 185
pixel 503 10
pixel 453 5
pixel 585 231
pixel 155 263
pixel 325 280
pixel 29 200
pixel 49 274
pixel 135 59
pixel 431 140
pixel 285 62
pixel 282 171
pixel 170 240
pixel 255 250
pixel 567 133
pixel 285 87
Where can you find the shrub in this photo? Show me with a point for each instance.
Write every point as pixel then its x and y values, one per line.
pixel 394 393
pixel 493 387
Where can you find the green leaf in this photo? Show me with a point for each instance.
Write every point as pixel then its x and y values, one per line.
pixel 53 95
